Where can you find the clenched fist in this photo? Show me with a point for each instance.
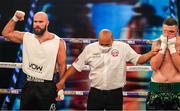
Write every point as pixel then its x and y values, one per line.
pixel 18 16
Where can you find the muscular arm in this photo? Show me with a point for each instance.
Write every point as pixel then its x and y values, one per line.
pixel 10 33
pixel 61 59
pixel 60 85
pixel 147 56
pixel 176 60
pixel 156 61
pixel 77 65
pixel 71 70
pixel 174 49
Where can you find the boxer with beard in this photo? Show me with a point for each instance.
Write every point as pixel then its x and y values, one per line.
pixel 41 52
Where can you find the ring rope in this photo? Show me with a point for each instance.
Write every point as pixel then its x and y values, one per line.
pixel 130 41
pixel 86 68
pixel 88 40
pixel 75 93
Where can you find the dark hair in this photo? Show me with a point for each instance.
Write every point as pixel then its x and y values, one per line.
pixel 170 21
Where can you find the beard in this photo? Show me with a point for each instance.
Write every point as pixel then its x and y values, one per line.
pixel 39 31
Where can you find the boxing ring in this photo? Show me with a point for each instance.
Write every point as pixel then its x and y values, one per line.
pixel 73 93
pixel 11 65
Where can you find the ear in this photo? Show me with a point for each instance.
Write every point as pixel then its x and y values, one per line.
pixel 47 23
pixel 177 31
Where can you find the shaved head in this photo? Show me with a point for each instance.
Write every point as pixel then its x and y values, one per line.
pixel 41 15
pixel 105 37
pixel 40 23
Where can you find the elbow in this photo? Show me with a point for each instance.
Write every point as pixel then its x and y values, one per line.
pixel 141 61
pixel 154 66
pixel 178 69
pixel 5 34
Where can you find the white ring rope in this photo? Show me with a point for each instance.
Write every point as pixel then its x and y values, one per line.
pixel 89 40
pixel 129 41
pixel 75 93
pixel 86 68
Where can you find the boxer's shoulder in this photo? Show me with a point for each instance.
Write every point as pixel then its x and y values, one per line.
pixel 178 40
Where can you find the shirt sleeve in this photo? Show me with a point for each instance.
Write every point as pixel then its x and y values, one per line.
pixel 80 61
pixel 131 55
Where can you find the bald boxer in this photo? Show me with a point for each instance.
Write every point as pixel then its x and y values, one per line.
pixel 41 51
pixel 165 82
pixel 107 61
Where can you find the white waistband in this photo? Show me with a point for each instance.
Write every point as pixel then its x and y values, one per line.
pixel 152 80
pixel 34 79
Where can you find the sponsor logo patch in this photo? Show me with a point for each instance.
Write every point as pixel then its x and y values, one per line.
pixel 114 52
pixel 35 68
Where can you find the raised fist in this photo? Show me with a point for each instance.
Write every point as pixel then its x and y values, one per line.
pixel 18 16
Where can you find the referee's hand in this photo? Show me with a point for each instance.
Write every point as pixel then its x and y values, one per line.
pixel 59 87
